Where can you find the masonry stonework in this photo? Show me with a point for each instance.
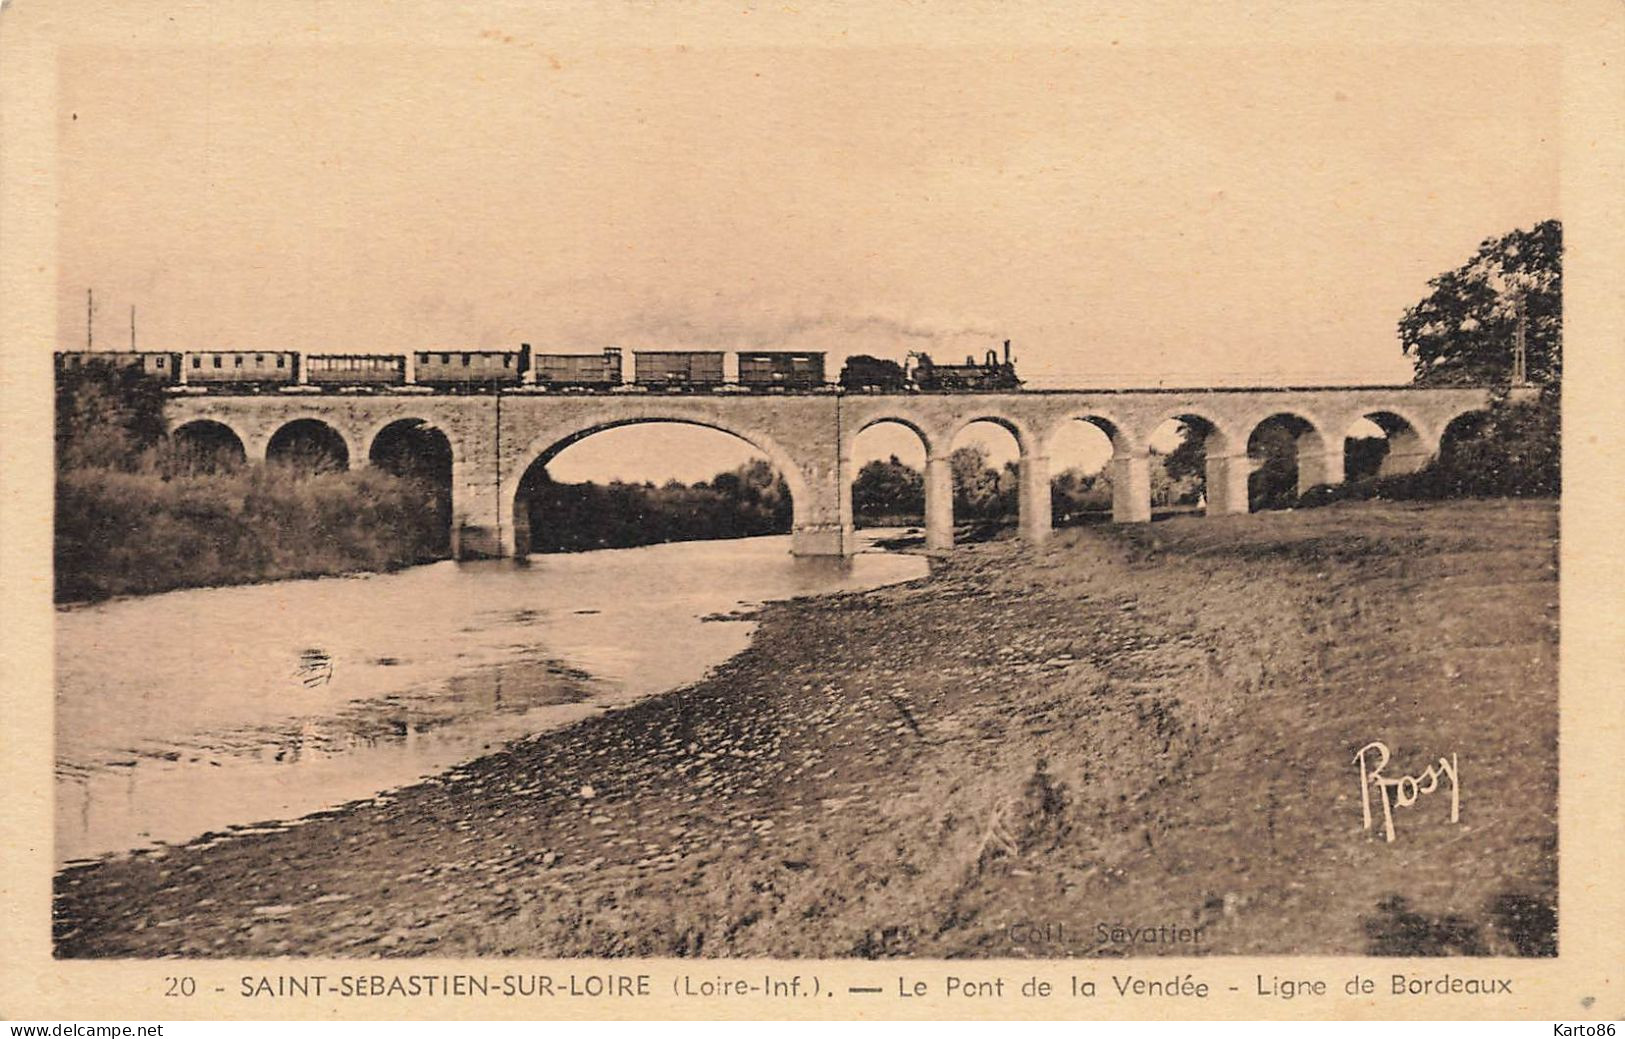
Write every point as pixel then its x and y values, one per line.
pixel 809 438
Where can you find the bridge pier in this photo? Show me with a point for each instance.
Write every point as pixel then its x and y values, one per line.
pixel 1227 483
pixel 939 504
pixel 821 539
pixel 477 529
pixel 1037 514
pixel 1316 467
pixel 1131 487
pixel 475 541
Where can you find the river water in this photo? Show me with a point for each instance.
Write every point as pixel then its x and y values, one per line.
pixel 224 708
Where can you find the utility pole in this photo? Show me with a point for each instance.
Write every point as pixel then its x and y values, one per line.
pixel 498 488
pixel 90 319
pixel 1520 355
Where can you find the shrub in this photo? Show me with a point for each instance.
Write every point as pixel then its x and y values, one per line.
pixel 122 533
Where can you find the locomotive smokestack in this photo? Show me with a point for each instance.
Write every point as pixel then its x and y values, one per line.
pixel 1007 351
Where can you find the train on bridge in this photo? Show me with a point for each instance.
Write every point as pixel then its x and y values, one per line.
pixel 485 371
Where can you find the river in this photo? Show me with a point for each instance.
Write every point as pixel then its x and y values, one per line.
pixel 218 709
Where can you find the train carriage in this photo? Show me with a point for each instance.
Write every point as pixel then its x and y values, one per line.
pixel 359 370
pixel 791 370
pixel 578 371
pixel 470 369
pixel 160 364
pixel 247 368
pixel 678 369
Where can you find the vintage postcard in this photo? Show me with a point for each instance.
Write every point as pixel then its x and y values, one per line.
pixel 891 510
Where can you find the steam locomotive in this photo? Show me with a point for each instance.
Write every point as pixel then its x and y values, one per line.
pixel 991 374
pixel 877 375
pixel 469 371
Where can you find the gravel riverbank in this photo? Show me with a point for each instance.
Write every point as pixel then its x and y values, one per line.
pixel 1130 741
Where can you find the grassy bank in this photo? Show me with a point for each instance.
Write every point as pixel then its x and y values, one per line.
pixel 1130 726
pixel 124 533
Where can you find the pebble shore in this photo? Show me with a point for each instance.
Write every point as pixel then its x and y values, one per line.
pixel 1148 728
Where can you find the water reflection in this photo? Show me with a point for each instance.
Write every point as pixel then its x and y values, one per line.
pixel 205 709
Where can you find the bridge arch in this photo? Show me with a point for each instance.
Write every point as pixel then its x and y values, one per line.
pixel 1303 421
pixel 1124 437
pixel 1225 465
pixel 204 443
pixel 1126 467
pixel 928 437
pixel 1027 442
pixel 314 442
pixel 1407 447
pixel 1457 426
pixel 369 435
pixel 885 493
pixel 1220 432
pixel 1290 452
pixel 1033 487
pixel 514 534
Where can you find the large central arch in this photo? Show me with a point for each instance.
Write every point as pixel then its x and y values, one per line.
pixel 543 448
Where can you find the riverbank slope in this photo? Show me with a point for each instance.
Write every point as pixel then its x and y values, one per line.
pixel 1131 741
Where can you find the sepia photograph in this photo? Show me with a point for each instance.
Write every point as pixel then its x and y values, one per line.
pixel 590 485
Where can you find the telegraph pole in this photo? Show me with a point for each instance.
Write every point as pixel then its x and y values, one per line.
pixel 132 328
pixel 90 319
pixel 1520 355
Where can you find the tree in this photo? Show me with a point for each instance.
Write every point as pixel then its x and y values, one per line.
pixel 1274 483
pixel 1173 483
pixel 749 500
pixel 1362 456
pixel 1075 492
pixel 888 489
pixel 1463 332
pixel 976 485
pixel 1189 458
pixel 106 415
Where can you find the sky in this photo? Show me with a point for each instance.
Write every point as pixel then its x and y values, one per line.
pixel 1125 215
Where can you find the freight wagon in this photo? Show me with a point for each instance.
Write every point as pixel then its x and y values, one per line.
pixel 678 369
pixel 789 370
pixel 578 371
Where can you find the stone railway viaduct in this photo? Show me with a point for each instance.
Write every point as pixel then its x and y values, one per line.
pixel 495 439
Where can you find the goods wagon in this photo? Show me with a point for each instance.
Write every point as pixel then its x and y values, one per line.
pixel 355 369
pixel 240 367
pixel 578 370
pixel 789 370
pixel 470 369
pixel 158 364
pixel 678 369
